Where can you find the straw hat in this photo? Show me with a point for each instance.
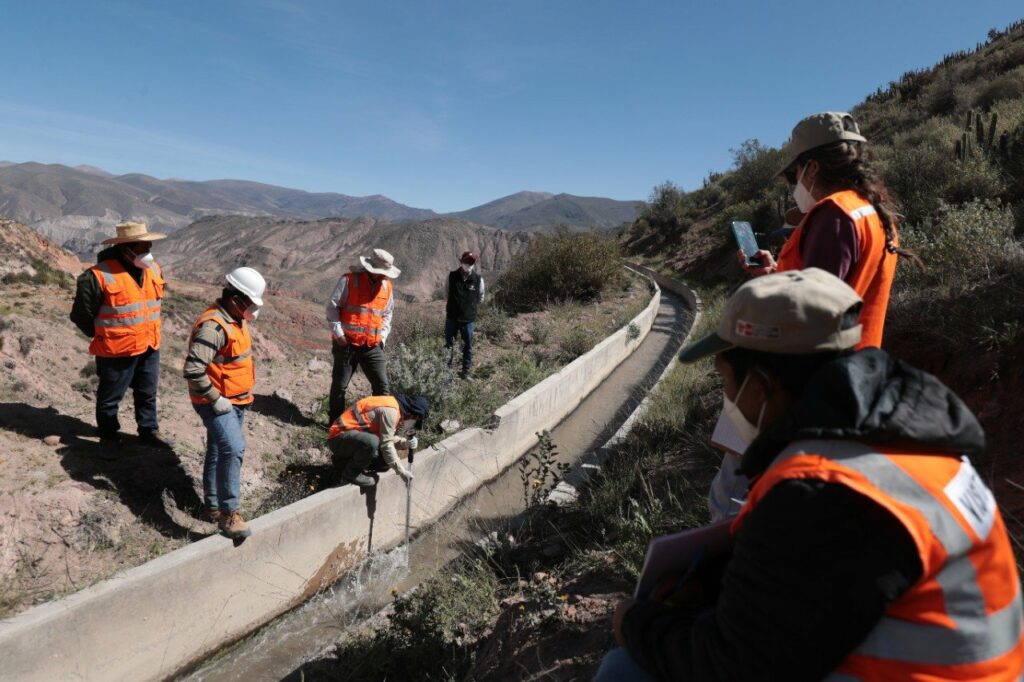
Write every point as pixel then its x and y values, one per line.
pixel 380 263
pixel 133 232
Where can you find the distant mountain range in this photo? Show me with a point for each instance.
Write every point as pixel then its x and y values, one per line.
pixel 78 206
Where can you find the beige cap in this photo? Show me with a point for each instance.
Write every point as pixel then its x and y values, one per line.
pixel 791 313
pixel 133 232
pixel 817 130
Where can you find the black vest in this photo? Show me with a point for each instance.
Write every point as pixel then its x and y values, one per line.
pixel 463 296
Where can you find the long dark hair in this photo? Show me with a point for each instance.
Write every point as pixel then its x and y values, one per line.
pixel 849 165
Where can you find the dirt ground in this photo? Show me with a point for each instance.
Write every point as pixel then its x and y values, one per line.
pixel 73 513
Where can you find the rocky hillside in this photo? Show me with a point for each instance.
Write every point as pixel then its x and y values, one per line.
pixel 533 210
pixel 26 253
pixel 305 258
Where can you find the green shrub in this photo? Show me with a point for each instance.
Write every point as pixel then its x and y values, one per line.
pixel 964 246
pixel 522 370
pixel 420 367
pixel 576 343
pixel 540 331
pixel 754 169
pixel 1007 86
pixel 566 267
pixel 493 322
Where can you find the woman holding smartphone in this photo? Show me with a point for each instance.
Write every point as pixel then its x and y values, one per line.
pixel 848 229
pixel 849 224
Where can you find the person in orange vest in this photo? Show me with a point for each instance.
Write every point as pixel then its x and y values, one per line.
pixel 364 436
pixel 221 374
pixel 847 227
pixel 359 314
pixel 869 547
pixel 117 305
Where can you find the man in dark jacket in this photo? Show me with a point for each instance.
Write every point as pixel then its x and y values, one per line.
pixel 117 305
pixel 465 294
pixel 868 549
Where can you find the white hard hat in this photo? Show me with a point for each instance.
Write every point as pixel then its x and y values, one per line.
pixel 249 282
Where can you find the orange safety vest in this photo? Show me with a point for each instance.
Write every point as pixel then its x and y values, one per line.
pixel 362 313
pixel 874 270
pixel 232 371
pixel 962 620
pixel 362 416
pixel 128 322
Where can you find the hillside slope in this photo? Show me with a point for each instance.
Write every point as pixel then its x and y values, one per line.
pixel 305 258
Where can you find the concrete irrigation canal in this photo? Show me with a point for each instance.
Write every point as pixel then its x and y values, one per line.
pixel 316 567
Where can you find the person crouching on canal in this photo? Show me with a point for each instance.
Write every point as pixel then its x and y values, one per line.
pixel 221 374
pixel 363 437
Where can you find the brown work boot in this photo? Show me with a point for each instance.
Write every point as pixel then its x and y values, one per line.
pixel 213 514
pixel 233 525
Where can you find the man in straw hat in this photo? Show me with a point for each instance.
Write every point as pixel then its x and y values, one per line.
pixel 868 548
pixel 359 314
pixel 117 305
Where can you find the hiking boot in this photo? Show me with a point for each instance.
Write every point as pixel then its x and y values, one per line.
pixel 233 525
pixel 213 514
pixel 110 439
pixel 360 480
pixel 156 439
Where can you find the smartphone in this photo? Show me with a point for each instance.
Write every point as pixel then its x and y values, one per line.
pixel 744 235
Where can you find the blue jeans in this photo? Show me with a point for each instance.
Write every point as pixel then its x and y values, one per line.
pixel 465 330
pixel 618 665
pixel 141 373
pixel 225 447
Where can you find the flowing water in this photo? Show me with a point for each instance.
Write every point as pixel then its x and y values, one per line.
pixel 281 647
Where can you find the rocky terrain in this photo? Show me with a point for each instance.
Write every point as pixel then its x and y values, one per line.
pixel 305 258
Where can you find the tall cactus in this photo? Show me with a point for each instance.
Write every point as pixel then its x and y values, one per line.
pixel 975 135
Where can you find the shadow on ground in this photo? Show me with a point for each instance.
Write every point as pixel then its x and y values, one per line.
pixel 141 476
pixel 281 409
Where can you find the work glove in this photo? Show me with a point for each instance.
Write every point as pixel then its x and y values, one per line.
pixel 222 406
pixel 402 471
pixel 412 442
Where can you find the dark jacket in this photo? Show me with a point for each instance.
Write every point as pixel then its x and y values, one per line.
pixel 814 564
pixel 463 296
pixel 89 295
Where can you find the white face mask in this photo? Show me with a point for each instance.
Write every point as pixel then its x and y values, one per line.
pixel 804 199
pixel 468 269
pixel 143 261
pixel 251 313
pixel 747 431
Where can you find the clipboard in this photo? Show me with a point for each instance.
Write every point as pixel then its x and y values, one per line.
pixel 673 554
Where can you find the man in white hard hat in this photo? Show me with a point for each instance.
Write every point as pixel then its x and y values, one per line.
pixel 221 374
pixel 117 305
pixel 359 314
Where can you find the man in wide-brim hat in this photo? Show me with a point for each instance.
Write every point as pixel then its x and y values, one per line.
pixel 359 314
pixel 117 305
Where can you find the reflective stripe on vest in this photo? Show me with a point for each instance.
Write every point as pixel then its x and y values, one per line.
pixel 128 320
pixel 361 417
pixel 234 376
pixel 362 313
pixel 871 275
pixel 990 644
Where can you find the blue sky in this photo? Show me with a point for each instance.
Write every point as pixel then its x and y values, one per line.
pixel 447 105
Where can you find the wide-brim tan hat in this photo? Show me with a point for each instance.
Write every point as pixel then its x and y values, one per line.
pixel 133 232
pixel 818 130
pixel 380 263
